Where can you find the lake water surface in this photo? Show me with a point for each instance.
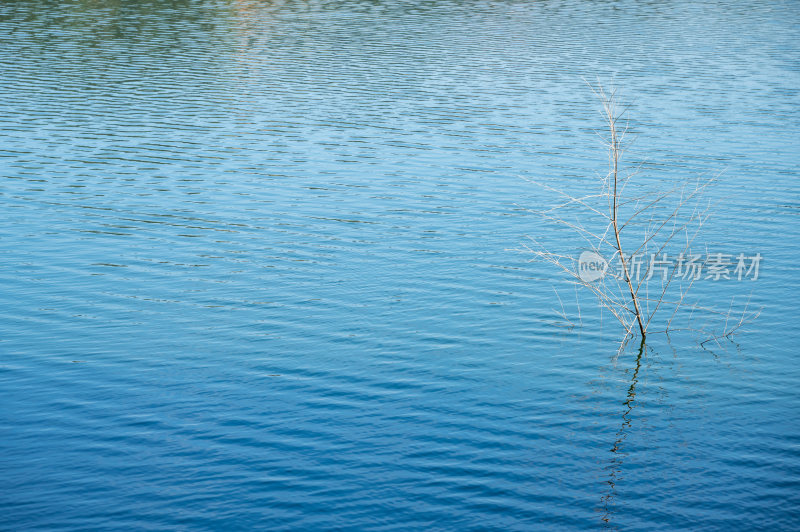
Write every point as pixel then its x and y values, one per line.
pixel 257 267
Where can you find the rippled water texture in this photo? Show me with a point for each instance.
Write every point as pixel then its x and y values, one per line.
pixel 257 267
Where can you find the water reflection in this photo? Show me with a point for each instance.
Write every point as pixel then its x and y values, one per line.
pixel 615 466
pixel 199 194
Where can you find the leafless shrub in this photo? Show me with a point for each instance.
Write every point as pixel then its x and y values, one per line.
pixel 614 223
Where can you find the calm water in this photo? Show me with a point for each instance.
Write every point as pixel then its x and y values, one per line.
pixel 256 267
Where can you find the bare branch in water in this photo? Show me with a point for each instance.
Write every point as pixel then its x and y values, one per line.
pixel 673 220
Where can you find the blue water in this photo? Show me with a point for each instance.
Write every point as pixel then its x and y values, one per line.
pixel 257 266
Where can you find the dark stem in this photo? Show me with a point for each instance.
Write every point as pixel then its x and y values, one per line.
pixel 612 122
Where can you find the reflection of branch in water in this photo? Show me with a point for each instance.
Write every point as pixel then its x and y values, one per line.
pixel 616 460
